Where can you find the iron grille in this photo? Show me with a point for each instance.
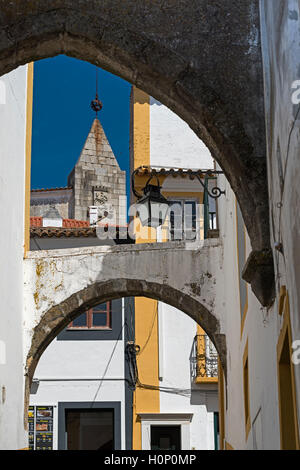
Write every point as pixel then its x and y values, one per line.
pixel 204 361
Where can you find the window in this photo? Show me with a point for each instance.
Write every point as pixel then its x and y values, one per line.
pixel 97 318
pixel 165 437
pixel 90 429
pixel 183 220
pixel 166 431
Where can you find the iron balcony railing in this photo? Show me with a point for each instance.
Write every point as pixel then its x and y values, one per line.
pixel 204 363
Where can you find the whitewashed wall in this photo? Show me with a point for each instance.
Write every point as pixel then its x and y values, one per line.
pixel 71 371
pixel 176 336
pixel 13 97
pixel 280 22
pixel 173 143
pixel 261 330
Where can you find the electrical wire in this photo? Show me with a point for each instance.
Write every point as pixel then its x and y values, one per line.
pixel 132 351
pixel 175 391
pixel 107 365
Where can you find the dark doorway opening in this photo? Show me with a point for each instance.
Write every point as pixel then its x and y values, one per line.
pixel 165 437
pixel 90 429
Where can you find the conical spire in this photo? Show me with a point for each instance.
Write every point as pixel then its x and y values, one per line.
pixel 97 176
pixel 97 149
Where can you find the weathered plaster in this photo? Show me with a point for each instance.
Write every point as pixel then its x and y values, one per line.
pixel 59 285
pixel 281 53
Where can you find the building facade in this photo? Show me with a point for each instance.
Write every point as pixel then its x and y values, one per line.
pixel 259 386
pixel 168 406
pixel 81 397
pixel 93 390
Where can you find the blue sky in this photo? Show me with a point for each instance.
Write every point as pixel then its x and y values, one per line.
pixel 62 117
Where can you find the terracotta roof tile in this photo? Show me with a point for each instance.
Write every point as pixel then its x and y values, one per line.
pixel 72 223
pixel 183 172
pixel 67 223
pixel 59 232
pixel 36 221
pixel 50 189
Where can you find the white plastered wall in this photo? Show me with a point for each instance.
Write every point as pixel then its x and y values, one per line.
pixel 177 332
pixel 261 330
pixel 13 99
pixel 173 143
pixel 81 371
pixel 280 24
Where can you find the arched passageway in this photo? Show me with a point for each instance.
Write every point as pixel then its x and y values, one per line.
pixel 201 60
pixel 83 278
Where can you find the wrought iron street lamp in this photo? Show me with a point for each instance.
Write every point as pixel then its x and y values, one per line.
pixel 152 206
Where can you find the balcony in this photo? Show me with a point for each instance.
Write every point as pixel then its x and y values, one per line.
pixel 204 361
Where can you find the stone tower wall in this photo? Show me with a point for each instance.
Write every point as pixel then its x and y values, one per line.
pixel 97 179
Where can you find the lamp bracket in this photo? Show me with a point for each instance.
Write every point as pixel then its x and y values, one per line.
pixel 214 193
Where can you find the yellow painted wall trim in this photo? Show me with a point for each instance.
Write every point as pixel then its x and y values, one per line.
pixel 206 380
pixel 245 310
pixel 246 389
pixel 228 446
pixel 244 316
pixel 28 143
pixel 141 128
pixel 282 297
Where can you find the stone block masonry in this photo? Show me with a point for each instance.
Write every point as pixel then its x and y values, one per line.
pixel 97 179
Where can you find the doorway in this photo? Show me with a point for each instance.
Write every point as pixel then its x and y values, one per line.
pixel 165 437
pixel 89 426
pixel 90 429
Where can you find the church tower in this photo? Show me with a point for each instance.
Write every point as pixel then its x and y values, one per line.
pixel 98 181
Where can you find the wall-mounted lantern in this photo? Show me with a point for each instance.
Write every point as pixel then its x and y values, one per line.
pixel 152 206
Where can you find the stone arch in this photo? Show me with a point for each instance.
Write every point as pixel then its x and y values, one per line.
pixel 59 316
pixel 201 60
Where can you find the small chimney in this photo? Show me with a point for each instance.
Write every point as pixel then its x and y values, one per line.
pixel 93 210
